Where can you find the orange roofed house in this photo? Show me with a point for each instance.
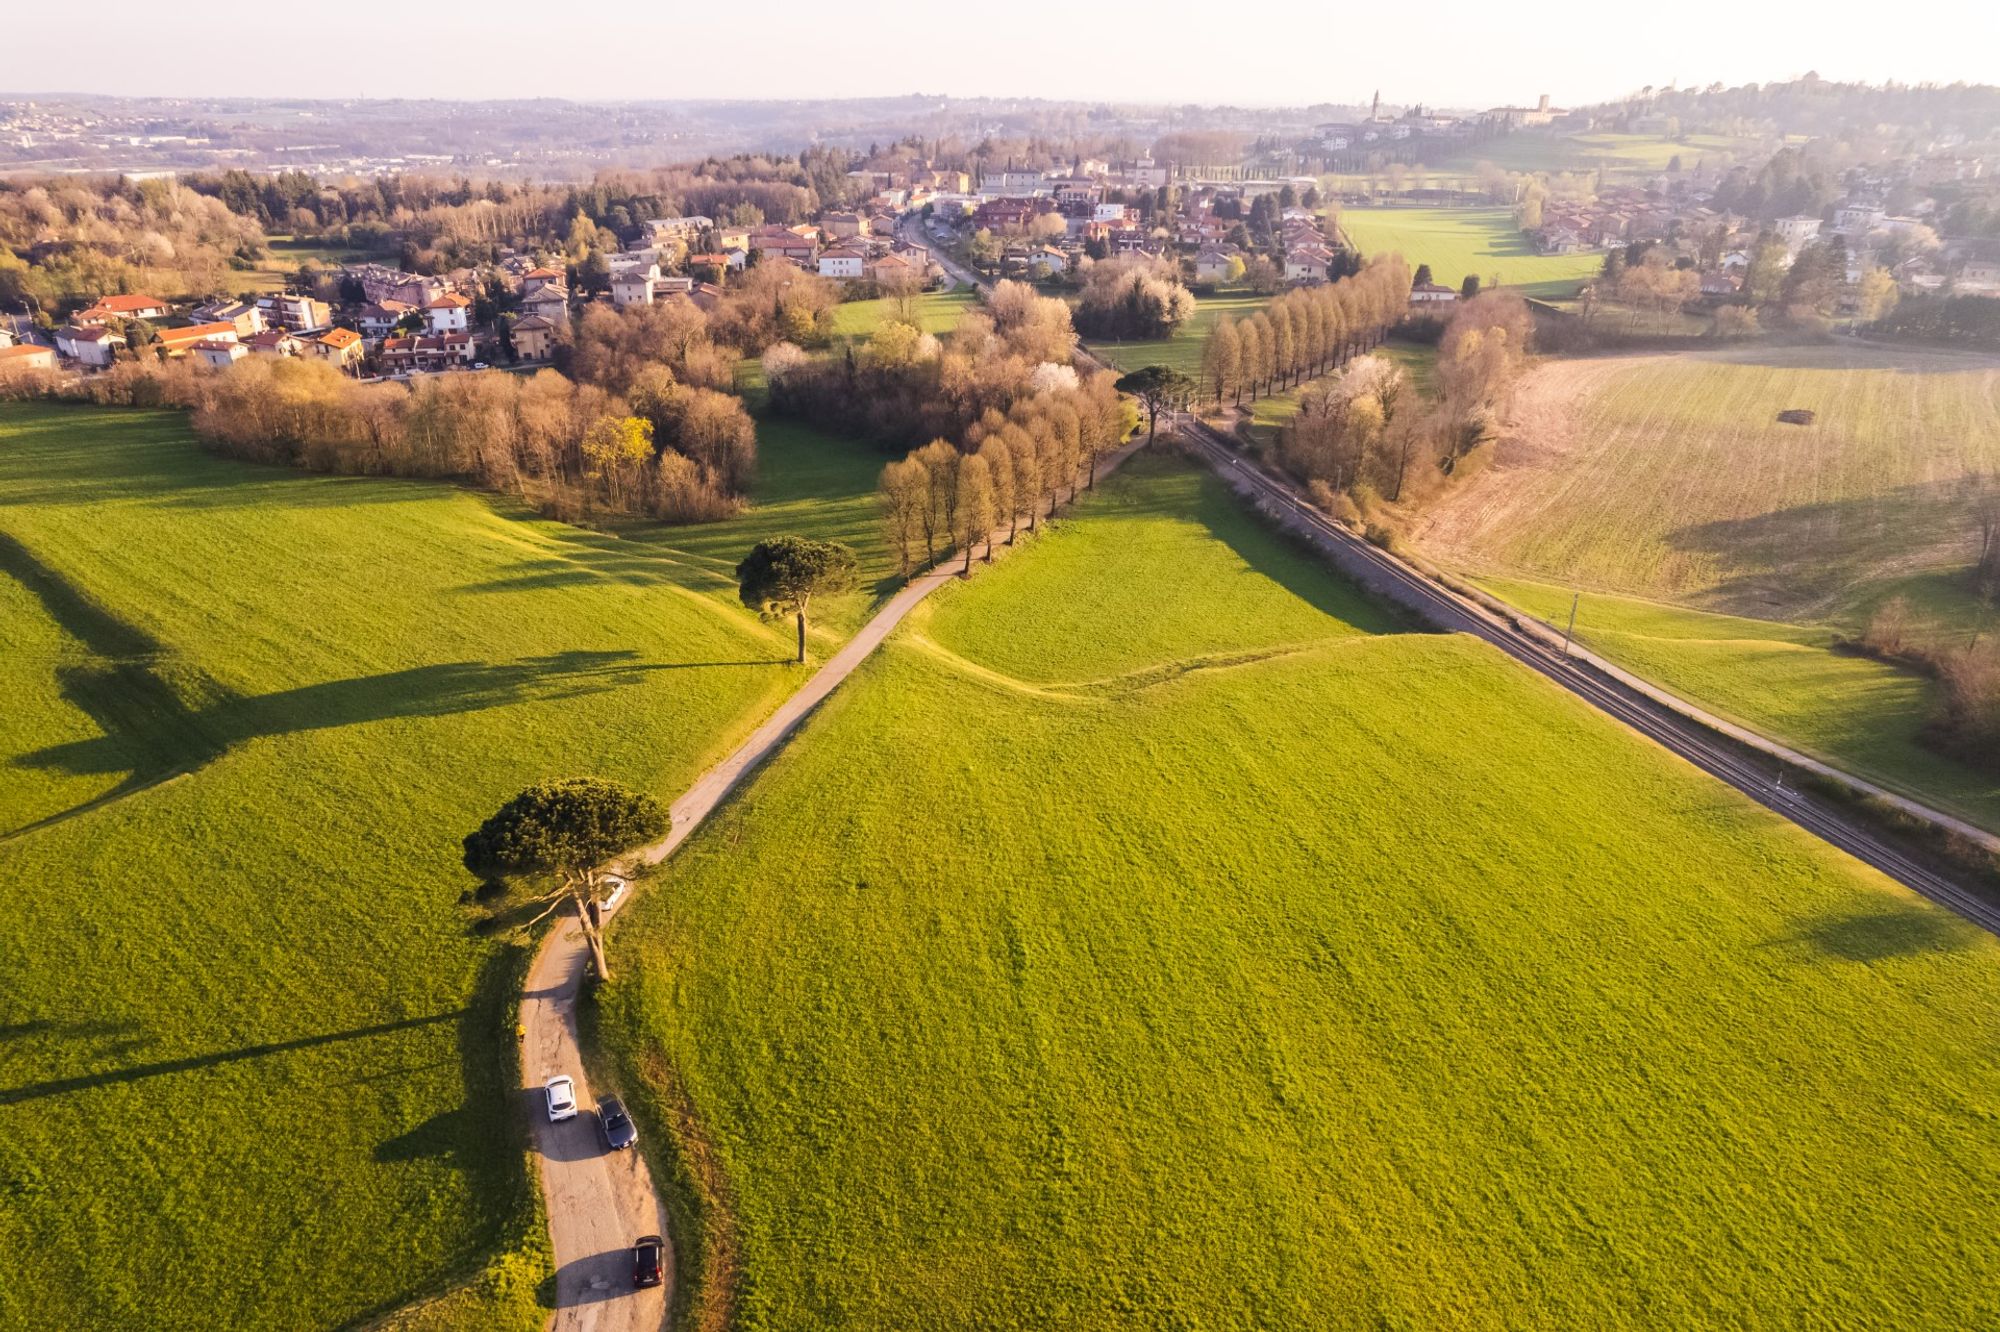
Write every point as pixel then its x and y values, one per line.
pixel 340 346
pixel 113 309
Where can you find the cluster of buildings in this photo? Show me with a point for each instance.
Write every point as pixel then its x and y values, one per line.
pixel 1687 217
pixel 1047 220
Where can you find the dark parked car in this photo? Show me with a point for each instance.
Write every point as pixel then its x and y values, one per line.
pixel 617 1125
pixel 646 1257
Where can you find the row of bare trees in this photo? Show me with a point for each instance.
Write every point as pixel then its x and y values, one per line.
pixel 1014 468
pixel 1304 333
pixel 1365 433
pixel 905 386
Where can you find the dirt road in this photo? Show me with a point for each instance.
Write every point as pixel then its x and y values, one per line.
pixel 599 1202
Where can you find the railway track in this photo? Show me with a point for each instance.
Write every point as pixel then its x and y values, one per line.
pixel 1678 734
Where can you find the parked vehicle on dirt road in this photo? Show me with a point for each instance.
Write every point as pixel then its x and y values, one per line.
pixel 619 1132
pixel 646 1259
pixel 560 1092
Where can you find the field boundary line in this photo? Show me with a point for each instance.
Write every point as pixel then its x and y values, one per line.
pixel 1694 712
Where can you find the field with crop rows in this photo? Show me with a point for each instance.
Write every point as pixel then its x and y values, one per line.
pixel 1669 479
pixel 255 1062
pixel 1152 936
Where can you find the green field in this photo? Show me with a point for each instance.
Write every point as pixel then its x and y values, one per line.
pixel 1458 242
pixel 1183 350
pixel 1148 937
pixel 1669 479
pixel 937 311
pixel 1784 680
pixel 254 1048
pixel 286 255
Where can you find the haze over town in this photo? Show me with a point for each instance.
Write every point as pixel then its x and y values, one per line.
pixel 1455 53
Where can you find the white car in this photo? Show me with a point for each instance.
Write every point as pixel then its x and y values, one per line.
pixel 561 1094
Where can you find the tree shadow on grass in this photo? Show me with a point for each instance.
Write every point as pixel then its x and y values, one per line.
pixel 1805 554
pixel 153 458
pixel 1890 931
pixel 1287 561
pixel 141 716
pixel 35 1091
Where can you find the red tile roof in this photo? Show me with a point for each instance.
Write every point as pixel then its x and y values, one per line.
pixel 132 304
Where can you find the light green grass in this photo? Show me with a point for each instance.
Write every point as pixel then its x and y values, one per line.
pixel 255 1059
pixel 1364 981
pixel 1670 477
pixel 283 260
pixel 1459 242
pixel 1782 680
pixel 1183 350
pixel 937 311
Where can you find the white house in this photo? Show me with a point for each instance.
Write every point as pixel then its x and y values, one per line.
pixel 1213 263
pixel 89 344
pixel 634 287
pixel 1796 232
pixel 447 314
pixel 1432 293
pixel 844 261
pixel 216 352
pixel 1307 265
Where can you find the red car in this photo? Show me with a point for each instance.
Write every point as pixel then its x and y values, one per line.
pixel 647 1255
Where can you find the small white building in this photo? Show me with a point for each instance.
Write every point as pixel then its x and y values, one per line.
pixel 1213 264
pixel 216 352
pixel 1432 294
pixel 449 313
pixel 93 345
pixel 634 287
pixel 843 262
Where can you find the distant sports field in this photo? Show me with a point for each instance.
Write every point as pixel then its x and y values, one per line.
pixel 1459 242
pixel 254 1050
pixel 1670 479
pixel 1151 936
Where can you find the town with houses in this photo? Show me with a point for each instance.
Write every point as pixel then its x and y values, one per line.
pixel 1241 223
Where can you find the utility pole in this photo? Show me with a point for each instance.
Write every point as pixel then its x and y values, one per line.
pixel 1575 597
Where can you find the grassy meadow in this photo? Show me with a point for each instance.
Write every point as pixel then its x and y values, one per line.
pixel 255 1065
pixel 1670 477
pixel 1150 936
pixel 936 312
pixel 1183 350
pixel 1784 680
pixel 1459 242
pixel 1723 551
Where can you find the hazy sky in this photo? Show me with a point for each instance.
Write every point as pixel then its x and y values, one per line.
pixel 1442 52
